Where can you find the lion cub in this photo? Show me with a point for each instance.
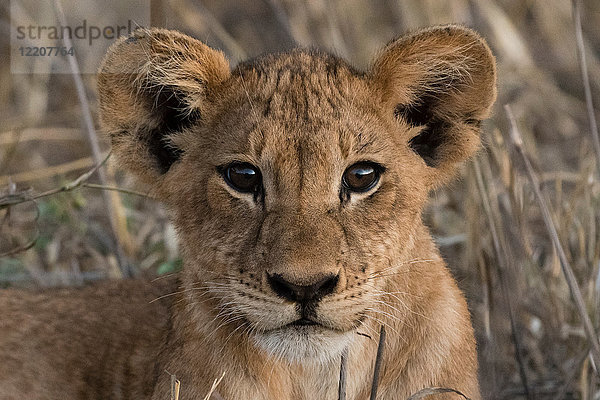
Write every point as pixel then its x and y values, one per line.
pixel 296 184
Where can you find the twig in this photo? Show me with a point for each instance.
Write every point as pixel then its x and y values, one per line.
pixel 22 248
pixel 22 197
pixel 116 189
pixel 586 81
pixel 343 375
pixel 80 180
pixel 12 199
pixel 515 136
pixel 503 271
pixel 378 361
pixel 32 242
pixel 93 140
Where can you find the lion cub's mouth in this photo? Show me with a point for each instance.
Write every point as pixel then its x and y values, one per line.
pixel 308 325
pixel 305 325
pixel 304 322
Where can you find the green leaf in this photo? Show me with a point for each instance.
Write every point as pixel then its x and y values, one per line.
pixel 169 267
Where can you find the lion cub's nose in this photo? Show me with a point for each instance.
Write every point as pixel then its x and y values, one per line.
pixel 300 293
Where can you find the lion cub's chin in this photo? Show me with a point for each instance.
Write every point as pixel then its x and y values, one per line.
pixel 305 344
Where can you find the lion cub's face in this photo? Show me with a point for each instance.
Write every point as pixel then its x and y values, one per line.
pixel 297 198
pixel 295 181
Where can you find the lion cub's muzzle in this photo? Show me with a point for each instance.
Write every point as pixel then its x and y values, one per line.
pixel 306 296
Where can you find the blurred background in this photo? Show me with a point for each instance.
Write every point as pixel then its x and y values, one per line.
pixel 57 230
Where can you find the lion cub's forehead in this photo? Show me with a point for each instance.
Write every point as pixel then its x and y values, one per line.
pixel 302 99
pixel 299 86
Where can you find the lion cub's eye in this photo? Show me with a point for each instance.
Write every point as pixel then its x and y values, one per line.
pixel 361 177
pixel 243 177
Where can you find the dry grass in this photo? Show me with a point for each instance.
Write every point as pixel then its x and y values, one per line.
pixel 489 224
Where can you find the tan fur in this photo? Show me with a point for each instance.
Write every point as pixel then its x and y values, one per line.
pixel 176 114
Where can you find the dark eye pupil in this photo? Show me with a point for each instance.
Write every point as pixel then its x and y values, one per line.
pixel 243 177
pixel 361 177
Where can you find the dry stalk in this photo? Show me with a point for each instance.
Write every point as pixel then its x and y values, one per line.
pixel 503 272
pixel 212 394
pixel 343 375
pixel 193 12
pixel 22 135
pixel 47 172
pixel 282 19
pixel 336 34
pixel 570 278
pixel 586 81
pixel 110 202
pixel 175 386
pixel 157 14
pixel 378 361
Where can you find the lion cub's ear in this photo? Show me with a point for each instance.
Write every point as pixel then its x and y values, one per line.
pixel 151 86
pixel 442 80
